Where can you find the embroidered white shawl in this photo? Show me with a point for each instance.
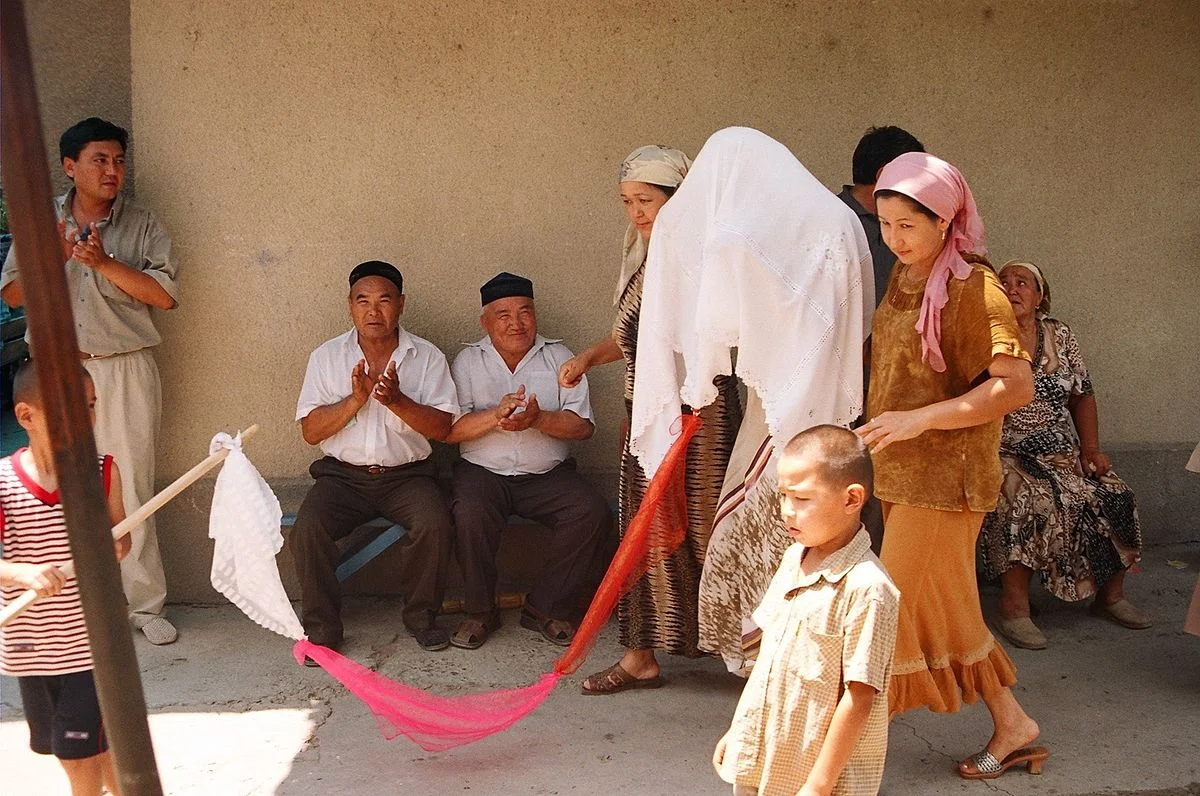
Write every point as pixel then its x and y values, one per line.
pixel 752 253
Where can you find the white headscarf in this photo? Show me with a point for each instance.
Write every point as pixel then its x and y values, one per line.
pixel 752 252
pixel 654 165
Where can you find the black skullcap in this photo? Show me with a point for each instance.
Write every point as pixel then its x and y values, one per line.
pixel 504 285
pixel 378 268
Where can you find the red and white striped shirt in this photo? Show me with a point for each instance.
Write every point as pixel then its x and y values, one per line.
pixel 50 636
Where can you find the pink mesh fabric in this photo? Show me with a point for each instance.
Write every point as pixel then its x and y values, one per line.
pixel 437 723
pixel 434 723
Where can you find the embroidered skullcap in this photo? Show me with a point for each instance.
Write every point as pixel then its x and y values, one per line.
pixel 505 285
pixel 378 268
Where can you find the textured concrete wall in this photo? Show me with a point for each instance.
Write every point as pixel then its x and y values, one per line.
pixel 281 143
pixel 70 89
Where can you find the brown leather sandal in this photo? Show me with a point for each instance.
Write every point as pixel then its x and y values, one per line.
pixel 556 631
pixel 473 631
pixel 616 679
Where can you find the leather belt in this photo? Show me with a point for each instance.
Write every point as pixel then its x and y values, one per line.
pixel 375 469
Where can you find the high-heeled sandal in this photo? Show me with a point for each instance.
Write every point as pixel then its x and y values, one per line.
pixel 988 767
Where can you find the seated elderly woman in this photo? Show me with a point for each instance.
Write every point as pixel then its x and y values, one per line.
pixel 1062 512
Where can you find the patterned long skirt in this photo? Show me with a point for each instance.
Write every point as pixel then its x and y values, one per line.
pixel 659 612
pixel 1075 531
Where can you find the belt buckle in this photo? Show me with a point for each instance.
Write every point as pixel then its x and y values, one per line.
pixel 376 469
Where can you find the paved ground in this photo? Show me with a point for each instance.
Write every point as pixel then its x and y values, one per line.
pixel 233 714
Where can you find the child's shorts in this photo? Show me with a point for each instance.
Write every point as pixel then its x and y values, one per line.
pixel 63 714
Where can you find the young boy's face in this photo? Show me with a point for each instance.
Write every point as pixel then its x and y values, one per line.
pixel 32 415
pixel 814 511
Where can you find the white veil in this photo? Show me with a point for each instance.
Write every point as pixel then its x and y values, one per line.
pixel 753 253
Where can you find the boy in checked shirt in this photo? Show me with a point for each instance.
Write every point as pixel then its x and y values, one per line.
pixel 812 718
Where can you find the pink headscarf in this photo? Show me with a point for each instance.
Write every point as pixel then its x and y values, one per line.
pixel 939 186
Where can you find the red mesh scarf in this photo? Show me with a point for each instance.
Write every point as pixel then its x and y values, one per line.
pixel 436 723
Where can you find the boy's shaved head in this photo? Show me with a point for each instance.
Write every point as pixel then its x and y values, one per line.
pixel 843 458
pixel 26 388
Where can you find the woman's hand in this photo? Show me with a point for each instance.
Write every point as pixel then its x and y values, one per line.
pixel 889 427
pixel 573 371
pixel 1095 462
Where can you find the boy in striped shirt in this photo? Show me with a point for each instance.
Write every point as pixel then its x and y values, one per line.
pixel 46 647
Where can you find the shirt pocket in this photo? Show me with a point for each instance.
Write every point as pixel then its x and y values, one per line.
pixel 110 291
pixel 816 656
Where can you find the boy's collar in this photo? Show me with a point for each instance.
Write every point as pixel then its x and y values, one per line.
pixel 839 562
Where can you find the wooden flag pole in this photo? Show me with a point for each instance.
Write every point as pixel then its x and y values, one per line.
pixel 27 598
pixel 52 339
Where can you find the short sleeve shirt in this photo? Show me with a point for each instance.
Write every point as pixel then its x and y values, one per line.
pixel 483 378
pixel 940 469
pixel 819 631
pixel 107 319
pixel 376 435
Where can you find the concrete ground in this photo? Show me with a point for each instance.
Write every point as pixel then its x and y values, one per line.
pixel 231 713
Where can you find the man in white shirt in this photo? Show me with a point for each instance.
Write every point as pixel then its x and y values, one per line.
pixel 513 427
pixel 372 399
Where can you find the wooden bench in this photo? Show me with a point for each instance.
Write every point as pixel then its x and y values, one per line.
pixel 367 541
pixel 362 545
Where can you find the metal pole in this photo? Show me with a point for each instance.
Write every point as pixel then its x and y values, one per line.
pixel 56 350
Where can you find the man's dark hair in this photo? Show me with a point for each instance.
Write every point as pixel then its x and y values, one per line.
pixel 83 133
pixel 878 147
pixel 844 458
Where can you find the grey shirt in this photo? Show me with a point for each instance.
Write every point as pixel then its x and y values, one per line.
pixel 882 259
pixel 107 319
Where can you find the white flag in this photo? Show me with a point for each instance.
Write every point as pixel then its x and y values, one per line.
pixel 244 524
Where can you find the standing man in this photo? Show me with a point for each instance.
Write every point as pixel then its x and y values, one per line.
pixel 514 427
pixel 118 267
pixel 372 399
pixel 878 147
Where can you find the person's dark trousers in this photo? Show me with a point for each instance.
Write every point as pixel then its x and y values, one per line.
pixel 561 499
pixel 343 498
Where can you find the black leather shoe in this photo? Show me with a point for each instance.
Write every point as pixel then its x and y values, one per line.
pixel 431 638
pixel 309 662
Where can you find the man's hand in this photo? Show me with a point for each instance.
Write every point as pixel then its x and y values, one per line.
pixel 509 404
pixel 122 546
pixel 519 421
pixel 67 236
pixel 387 388
pixel 361 384
pixel 90 251
pixel 46 579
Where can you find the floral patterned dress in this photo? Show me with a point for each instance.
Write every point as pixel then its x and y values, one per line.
pixel 1076 530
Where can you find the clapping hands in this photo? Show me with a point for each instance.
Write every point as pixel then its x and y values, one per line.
pixel 508 418
pixel 384 388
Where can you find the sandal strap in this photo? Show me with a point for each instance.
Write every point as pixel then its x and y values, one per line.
pixel 985 762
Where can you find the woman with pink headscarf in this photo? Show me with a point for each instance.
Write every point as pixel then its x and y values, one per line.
pixel 947 365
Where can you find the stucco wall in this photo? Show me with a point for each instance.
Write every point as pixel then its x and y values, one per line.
pixel 69 89
pixel 281 143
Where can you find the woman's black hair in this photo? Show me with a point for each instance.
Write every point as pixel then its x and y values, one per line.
pixel 925 211
pixel 669 190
